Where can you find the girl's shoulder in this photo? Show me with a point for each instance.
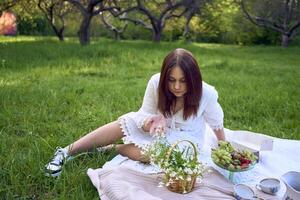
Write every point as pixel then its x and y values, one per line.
pixel 209 91
pixel 154 79
pixel 209 95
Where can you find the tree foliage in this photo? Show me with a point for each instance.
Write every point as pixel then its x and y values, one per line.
pixel 192 20
pixel 55 12
pixel 116 26
pixel 282 16
pixel 6 5
pixel 89 9
pixel 155 14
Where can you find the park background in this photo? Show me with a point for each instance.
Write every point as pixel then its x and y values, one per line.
pixel 60 79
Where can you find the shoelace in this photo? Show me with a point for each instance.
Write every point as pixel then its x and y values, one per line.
pixel 58 157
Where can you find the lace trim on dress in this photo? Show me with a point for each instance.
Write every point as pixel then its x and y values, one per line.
pixel 127 137
pixel 217 127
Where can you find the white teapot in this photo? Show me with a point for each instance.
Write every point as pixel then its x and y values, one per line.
pixel 292 181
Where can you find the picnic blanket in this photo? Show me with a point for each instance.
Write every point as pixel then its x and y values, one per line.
pixel 122 178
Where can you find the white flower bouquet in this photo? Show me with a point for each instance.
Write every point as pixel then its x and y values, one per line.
pixel 180 165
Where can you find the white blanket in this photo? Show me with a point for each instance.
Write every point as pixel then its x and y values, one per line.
pixel 283 158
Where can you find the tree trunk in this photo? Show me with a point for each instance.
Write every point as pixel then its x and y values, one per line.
pixel 117 35
pixel 285 40
pixel 157 32
pixel 58 33
pixel 186 33
pixel 60 36
pixel 156 36
pixel 84 31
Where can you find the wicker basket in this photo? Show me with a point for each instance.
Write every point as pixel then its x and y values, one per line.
pixel 181 186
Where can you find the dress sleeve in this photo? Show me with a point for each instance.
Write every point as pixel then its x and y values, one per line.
pixel 213 113
pixel 149 105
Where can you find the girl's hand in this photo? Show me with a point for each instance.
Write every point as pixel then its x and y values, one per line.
pixel 155 125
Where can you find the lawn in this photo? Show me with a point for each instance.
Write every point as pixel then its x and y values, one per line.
pixel 51 93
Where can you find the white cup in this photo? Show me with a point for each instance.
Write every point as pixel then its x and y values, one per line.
pixel 269 185
pixel 243 192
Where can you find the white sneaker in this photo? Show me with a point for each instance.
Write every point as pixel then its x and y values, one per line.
pixel 54 167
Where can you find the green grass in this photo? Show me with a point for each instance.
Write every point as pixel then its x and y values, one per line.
pixel 51 93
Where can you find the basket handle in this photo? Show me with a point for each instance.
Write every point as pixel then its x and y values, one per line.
pixel 176 143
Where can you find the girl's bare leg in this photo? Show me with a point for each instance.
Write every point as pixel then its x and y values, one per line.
pixel 102 136
pixel 131 151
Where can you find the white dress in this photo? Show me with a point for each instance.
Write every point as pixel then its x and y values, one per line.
pixel 192 129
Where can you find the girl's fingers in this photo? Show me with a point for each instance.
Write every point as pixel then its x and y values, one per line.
pixel 157 124
pixel 152 129
pixel 148 122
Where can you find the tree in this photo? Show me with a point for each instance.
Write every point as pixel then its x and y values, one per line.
pixel 54 11
pixel 6 5
pixel 193 9
pixel 28 11
pixel 282 16
pixel 154 14
pixel 89 9
pixel 118 29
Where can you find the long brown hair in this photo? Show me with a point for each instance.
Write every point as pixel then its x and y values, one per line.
pixel 186 61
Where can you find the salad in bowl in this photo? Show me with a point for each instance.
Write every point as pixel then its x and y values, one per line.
pixel 231 159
